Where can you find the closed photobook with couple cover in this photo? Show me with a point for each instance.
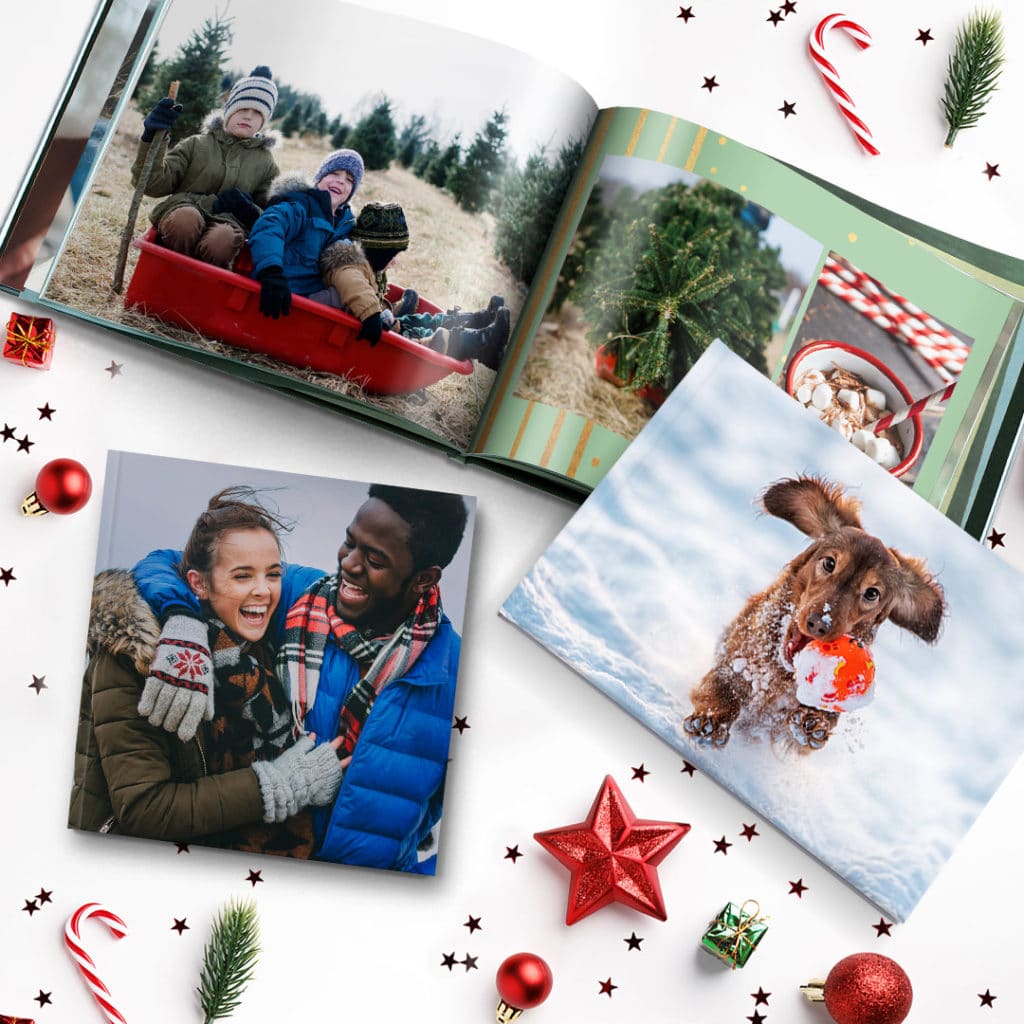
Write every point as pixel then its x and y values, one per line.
pixel 271 662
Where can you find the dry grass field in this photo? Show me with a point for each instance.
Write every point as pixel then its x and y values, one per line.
pixel 450 261
pixel 559 371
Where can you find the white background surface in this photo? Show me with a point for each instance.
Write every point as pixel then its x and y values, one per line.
pixel 365 945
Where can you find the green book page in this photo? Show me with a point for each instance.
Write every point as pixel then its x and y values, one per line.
pixel 548 410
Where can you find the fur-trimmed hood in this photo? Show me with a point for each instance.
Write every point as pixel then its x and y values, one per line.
pixel 286 184
pixel 292 188
pixel 343 253
pixel 267 140
pixel 120 621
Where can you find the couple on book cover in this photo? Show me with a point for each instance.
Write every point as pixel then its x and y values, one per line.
pixel 247 722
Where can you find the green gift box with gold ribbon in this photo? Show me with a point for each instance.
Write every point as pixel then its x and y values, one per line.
pixel 734 933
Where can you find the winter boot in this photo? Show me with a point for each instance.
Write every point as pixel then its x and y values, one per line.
pixel 485 344
pixel 407 303
pixel 481 318
pixel 496 338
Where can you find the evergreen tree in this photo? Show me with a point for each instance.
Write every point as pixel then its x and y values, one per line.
pixel 319 126
pixel 199 65
pixel 374 137
pixel 473 181
pixel 148 74
pixel 441 167
pixel 676 268
pixel 292 123
pixel 412 140
pixel 429 152
pixel 340 134
pixel 527 206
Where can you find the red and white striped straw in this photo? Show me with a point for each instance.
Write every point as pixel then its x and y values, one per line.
pixel 830 76
pixel 914 409
pixel 939 347
pixel 72 939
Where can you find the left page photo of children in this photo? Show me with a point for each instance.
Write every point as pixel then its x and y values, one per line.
pixel 271 663
pixel 350 205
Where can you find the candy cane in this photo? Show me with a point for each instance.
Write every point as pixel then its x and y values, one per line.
pixel 72 940
pixel 816 48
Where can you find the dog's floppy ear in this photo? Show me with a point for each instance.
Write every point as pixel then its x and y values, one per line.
pixel 918 602
pixel 812 505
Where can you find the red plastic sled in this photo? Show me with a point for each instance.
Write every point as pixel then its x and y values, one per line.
pixel 224 304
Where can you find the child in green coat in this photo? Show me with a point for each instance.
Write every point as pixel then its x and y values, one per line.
pixel 216 181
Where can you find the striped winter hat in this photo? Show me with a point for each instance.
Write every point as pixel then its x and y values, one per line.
pixel 257 92
pixel 341 160
pixel 381 226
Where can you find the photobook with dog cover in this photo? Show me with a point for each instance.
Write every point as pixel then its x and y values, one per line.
pixel 300 607
pixel 574 262
pixel 796 623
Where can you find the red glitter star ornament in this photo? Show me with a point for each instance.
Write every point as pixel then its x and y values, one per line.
pixel 612 856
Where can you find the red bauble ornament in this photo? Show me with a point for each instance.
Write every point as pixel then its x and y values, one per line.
pixel 612 856
pixel 865 988
pixel 524 980
pixel 63 486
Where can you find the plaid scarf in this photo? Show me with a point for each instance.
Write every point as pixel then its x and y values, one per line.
pixel 251 718
pixel 313 618
pixel 252 722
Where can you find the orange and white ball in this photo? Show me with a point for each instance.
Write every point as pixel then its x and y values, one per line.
pixel 835 675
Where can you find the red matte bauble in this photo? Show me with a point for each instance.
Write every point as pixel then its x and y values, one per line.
pixel 868 988
pixel 524 980
pixel 63 486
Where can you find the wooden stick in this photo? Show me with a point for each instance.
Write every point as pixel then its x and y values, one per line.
pixel 133 210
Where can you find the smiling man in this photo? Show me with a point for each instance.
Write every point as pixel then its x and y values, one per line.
pixel 369 656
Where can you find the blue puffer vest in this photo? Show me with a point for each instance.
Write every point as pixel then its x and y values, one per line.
pixel 392 791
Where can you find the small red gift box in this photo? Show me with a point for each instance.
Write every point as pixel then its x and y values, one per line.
pixel 29 341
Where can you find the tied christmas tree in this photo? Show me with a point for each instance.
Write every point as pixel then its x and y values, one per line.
pixel 973 70
pixel 665 273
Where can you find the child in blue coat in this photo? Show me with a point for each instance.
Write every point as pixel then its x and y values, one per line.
pixel 300 221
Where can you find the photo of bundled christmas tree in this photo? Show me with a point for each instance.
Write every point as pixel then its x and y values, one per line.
pixel 663 261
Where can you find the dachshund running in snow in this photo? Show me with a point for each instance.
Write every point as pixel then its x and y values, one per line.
pixel 845 582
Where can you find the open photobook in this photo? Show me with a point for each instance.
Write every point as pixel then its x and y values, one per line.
pixel 272 662
pixel 561 268
pixel 797 623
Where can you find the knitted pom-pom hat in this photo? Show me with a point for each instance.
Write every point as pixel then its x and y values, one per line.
pixel 341 160
pixel 257 92
pixel 382 226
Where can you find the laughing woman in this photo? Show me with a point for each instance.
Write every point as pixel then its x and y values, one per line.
pixel 241 781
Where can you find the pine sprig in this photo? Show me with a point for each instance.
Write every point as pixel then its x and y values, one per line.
pixel 972 71
pixel 229 959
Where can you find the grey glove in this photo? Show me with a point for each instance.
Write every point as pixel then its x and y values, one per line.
pixel 179 690
pixel 301 776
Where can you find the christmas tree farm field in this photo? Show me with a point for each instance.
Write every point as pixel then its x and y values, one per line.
pixel 449 261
